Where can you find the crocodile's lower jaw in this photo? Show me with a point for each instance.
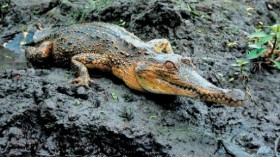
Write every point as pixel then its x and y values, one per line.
pixel 215 96
pixel 222 100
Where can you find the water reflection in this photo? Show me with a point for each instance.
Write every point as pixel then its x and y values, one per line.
pixel 12 56
pixel 11 60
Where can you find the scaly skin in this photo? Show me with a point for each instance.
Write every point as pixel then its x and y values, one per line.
pixel 144 66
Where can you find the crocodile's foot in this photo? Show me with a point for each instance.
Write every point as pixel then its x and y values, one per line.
pixel 81 81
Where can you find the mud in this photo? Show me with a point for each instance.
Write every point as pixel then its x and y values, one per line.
pixel 42 115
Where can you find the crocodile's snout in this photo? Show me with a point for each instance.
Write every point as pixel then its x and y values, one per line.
pixel 237 95
pixel 234 97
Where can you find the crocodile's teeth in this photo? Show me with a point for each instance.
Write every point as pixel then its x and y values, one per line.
pixel 239 103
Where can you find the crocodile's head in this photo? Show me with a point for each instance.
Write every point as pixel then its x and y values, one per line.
pixel 176 75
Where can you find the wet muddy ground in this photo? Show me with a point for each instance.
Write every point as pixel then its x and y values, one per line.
pixel 41 114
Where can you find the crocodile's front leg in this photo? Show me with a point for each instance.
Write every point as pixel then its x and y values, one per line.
pixel 162 45
pixel 88 60
pixel 38 55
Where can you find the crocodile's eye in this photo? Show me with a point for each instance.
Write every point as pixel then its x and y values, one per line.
pixel 169 65
pixel 186 60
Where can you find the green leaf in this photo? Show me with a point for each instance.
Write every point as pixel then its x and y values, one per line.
pixel 255 46
pixel 272 57
pixel 255 53
pixel 194 12
pixel 231 44
pixel 77 103
pixel 114 96
pixel 5 6
pixel 241 61
pixel 277 35
pixel 102 111
pixel 9 57
pixel 235 65
pixel 153 116
pixel 277 63
pixel 122 22
pixel 231 79
pixel 276 28
pixel 264 39
pixel 257 35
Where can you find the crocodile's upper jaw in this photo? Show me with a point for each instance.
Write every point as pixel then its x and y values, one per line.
pixel 176 75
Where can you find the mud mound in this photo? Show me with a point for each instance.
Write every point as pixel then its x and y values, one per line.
pixel 46 117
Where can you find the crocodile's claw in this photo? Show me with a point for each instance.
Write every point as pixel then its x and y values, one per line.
pixel 82 81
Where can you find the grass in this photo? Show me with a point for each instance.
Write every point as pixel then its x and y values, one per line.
pixel 265 46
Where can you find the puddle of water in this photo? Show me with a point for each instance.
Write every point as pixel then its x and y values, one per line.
pixel 12 56
pixel 11 60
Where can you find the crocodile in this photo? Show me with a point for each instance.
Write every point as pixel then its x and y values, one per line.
pixel 150 66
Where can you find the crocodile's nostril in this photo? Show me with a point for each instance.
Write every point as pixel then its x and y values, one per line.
pixel 186 60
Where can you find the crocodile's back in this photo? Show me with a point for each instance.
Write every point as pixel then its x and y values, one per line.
pixel 101 38
pixel 99 29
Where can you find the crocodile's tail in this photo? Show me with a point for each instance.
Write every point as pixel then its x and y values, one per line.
pixel 17 41
pixel 39 27
pixel 32 43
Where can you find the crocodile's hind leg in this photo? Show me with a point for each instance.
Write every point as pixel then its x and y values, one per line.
pixel 38 55
pixel 88 60
pixel 162 45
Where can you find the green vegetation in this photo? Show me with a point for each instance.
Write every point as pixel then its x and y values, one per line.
pixel 243 69
pixel 174 47
pixel 67 74
pixel 265 46
pixel 182 5
pixel 121 23
pixel 114 96
pixel 227 1
pixel 191 10
pixel 5 6
pixel 77 102
pixel 231 44
pixel 99 4
pixel 152 116
pixel 85 9
pixel 102 112
pixel 35 11
pixel 127 114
